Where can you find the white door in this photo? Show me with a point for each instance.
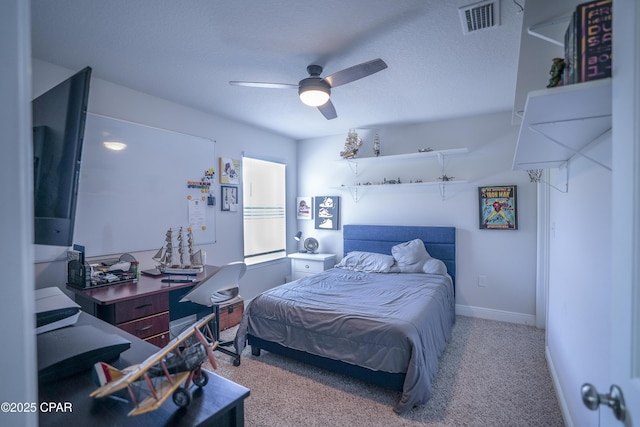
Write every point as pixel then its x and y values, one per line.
pixel 625 309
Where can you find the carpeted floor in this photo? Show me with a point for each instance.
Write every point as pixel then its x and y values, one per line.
pixel 491 374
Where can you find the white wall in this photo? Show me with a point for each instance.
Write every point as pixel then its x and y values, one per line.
pixel 17 356
pixel 506 258
pixel 232 139
pixel 580 278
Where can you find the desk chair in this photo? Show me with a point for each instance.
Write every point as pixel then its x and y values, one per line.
pixel 219 287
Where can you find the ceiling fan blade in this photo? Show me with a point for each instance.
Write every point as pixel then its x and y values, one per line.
pixel 328 110
pixel 264 85
pixel 356 72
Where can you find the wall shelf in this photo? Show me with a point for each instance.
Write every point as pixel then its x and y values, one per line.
pixel 552 30
pixel 356 165
pixel 358 191
pixel 544 23
pixel 559 123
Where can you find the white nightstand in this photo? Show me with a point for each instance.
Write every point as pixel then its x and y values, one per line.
pixel 305 264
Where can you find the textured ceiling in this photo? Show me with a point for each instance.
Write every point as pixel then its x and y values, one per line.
pixel 188 51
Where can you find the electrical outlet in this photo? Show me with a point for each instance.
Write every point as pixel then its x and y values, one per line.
pixel 482 280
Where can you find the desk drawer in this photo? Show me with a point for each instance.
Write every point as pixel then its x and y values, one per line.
pixel 159 340
pixel 147 326
pixel 141 307
pixel 306 266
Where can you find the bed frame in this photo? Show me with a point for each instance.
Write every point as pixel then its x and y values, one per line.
pixel 440 242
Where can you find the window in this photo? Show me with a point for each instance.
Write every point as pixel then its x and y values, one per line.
pixel 264 210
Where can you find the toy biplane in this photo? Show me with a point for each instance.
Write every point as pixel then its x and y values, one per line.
pixel 169 372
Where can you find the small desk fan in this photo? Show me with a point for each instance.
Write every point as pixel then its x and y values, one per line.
pixel 311 245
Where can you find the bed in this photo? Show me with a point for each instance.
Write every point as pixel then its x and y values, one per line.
pixel 366 319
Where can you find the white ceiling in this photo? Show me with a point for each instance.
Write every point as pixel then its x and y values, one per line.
pixel 188 51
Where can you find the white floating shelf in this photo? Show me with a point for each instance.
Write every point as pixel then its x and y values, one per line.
pixel 558 123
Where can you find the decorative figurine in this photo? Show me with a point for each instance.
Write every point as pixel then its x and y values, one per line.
pixel 557 68
pixel 167 373
pixel 171 263
pixel 352 145
pixel 376 145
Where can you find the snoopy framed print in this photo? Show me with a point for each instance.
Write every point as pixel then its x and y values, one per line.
pixel 498 209
pixel 327 212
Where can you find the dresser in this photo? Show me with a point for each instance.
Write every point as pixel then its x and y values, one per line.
pixel 306 264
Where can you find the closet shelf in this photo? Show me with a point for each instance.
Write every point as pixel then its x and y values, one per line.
pixel 558 123
pixel 552 30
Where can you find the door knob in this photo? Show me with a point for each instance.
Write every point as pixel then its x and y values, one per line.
pixel 614 399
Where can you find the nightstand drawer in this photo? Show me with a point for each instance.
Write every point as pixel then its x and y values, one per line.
pixel 147 326
pixel 307 266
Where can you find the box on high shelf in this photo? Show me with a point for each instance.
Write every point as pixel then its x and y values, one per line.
pixel 594 35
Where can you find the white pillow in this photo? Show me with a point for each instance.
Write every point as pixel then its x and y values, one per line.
pixel 434 266
pixel 369 262
pixel 410 256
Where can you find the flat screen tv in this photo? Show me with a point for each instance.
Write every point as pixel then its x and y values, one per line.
pixel 59 117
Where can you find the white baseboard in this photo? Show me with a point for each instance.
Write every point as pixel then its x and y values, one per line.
pixel 500 315
pixel 559 392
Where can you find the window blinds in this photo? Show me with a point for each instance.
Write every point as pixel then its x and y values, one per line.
pixel 264 210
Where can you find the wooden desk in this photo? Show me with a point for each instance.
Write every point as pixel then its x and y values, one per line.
pixel 219 403
pixel 142 308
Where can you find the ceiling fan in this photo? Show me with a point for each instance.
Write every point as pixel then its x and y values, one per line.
pixel 315 90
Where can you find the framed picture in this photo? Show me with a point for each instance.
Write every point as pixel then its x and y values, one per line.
pixel 304 207
pixel 498 207
pixel 229 171
pixel 229 198
pixel 327 212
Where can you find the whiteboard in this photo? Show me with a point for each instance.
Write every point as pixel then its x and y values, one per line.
pixel 128 199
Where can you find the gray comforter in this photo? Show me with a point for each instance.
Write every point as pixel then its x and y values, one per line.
pixel 392 322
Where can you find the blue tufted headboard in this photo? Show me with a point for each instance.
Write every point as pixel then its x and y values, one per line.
pixel 439 241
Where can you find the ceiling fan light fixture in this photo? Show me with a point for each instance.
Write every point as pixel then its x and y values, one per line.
pixel 314 92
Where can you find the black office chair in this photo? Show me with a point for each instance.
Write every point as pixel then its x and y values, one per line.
pixel 219 287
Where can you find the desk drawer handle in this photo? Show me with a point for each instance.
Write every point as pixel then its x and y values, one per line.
pixel 306 266
pixel 146 328
pixel 143 306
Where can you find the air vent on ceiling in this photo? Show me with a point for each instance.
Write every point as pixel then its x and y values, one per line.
pixel 480 16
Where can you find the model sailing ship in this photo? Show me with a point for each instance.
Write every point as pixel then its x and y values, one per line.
pixel 190 263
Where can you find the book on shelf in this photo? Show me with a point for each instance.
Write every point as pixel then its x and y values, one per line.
pixel 570 52
pixel 588 42
pixel 594 40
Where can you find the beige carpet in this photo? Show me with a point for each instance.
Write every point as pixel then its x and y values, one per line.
pixel 491 374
